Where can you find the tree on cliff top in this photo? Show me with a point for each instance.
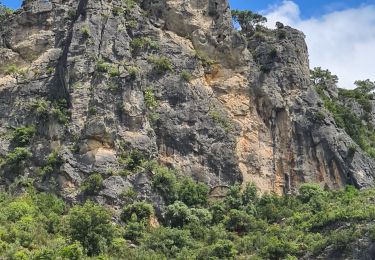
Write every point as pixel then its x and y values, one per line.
pixel 4 10
pixel 247 19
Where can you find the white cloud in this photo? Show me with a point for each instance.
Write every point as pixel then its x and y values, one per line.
pixel 341 41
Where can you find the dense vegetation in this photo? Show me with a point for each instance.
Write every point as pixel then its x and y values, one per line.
pixel 243 225
pixel 359 127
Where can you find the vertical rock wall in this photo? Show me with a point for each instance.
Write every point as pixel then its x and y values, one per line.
pixel 246 114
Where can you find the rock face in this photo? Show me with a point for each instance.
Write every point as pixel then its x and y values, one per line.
pixel 174 80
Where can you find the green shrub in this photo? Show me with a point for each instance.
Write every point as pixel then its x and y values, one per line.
pixel 114 71
pixel 135 229
pixel 218 211
pixel 102 66
pixel 60 111
pixel 260 36
pixel 150 99
pixel 130 4
pixel 238 221
pixel 91 225
pixel 276 248
pixel 132 160
pixel 72 13
pixel 169 241
pixel 18 209
pixel 23 135
pixel 132 24
pixel 161 64
pixel 12 69
pixel 133 72
pixel 92 111
pixel 17 157
pixel 41 108
pixel 233 199
pixel 72 252
pixel 60 115
pixel 186 75
pixel 85 32
pixel 193 193
pixel 309 190
pixel 165 182
pixel 53 161
pixel 249 194
pixel 143 42
pixel 178 214
pixel 222 249
pixel 204 58
pixel 93 184
pixel 222 120
pixel 142 210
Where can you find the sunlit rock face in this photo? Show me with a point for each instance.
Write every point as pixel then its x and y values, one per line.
pixel 224 109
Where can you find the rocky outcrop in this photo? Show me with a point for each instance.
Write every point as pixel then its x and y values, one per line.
pixel 175 81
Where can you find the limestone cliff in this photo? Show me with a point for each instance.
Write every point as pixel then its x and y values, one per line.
pixel 172 80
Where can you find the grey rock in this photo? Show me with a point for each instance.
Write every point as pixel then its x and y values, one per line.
pixel 249 116
pixel 114 186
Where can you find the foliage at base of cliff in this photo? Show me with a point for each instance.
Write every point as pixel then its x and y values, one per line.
pixel 244 225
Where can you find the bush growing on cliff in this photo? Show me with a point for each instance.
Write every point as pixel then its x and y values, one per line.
pixel 204 58
pixel 22 135
pixel 150 99
pixel 186 76
pixel 161 64
pixel 138 43
pixel 17 157
pixel 93 184
pixel 85 32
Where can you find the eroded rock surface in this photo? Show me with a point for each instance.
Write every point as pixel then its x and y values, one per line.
pixel 83 73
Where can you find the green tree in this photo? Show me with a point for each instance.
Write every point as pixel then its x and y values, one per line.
pixel 91 225
pixel 238 221
pixel 169 241
pixel 247 19
pixel 310 190
pixel 222 249
pixel 178 214
pixel 142 210
pixel 165 182
pixel 193 193
pixel 319 76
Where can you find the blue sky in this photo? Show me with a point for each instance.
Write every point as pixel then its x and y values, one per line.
pixel 309 8
pixel 340 35
pixel 12 3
